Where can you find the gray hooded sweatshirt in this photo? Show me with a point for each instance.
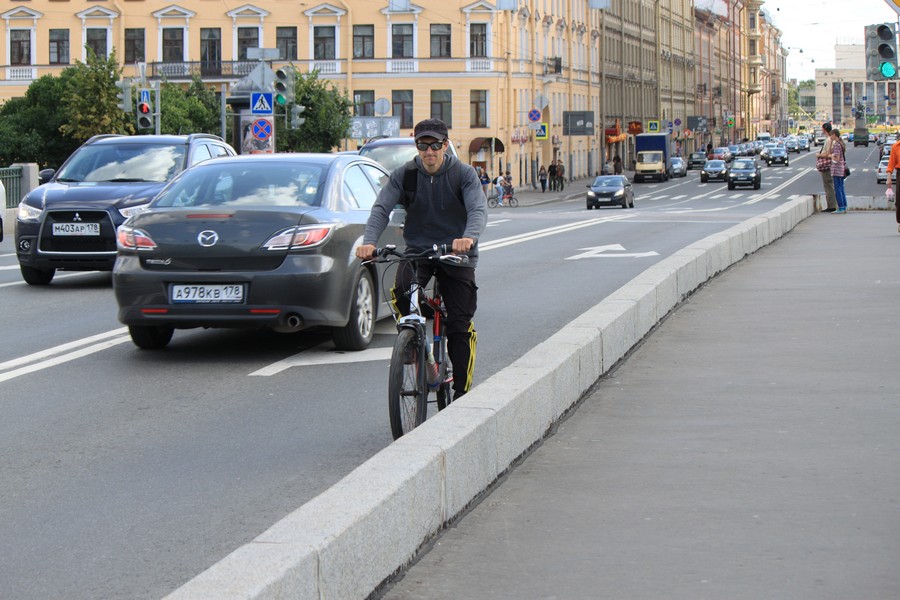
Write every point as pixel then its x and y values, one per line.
pixel 438 214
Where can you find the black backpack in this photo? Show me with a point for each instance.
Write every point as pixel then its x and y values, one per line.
pixel 410 177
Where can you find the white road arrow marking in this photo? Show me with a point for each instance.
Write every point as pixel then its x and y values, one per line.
pixel 320 356
pixel 600 252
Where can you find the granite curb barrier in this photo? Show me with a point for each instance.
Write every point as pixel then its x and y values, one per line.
pixel 347 541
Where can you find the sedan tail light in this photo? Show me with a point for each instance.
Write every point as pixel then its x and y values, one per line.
pixel 299 238
pixel 130 238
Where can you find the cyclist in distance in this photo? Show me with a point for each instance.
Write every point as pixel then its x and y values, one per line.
pixel 444 204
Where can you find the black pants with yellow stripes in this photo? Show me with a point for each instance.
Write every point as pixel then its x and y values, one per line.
pixel 457 286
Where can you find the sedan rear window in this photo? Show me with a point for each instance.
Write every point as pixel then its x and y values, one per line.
pixel 235 184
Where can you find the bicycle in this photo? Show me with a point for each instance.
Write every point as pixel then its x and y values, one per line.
pixel 508 200
pixel 418 368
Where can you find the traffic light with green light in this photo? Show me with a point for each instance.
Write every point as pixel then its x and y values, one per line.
pixel 284 85
pixel 881 52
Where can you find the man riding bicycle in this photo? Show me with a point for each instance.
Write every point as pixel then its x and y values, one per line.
pixel 444 204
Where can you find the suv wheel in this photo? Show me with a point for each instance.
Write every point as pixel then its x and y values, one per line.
pixel 34 276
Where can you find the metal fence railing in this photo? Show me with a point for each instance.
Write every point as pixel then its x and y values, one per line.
pixel 11 177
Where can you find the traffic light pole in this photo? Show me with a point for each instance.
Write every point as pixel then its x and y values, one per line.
pixel 157 113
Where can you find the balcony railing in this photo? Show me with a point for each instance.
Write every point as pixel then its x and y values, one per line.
pixel 200 68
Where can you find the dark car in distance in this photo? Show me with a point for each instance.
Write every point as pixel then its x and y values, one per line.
pixel 69 222
pixel 392 152
pixel 610 190
pixel 744 171
pixel 696 160
pixel 777 155
pixel 259 241
pixel 713 169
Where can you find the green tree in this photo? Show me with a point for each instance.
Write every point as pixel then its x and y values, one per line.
pixel 327 117
pixel 30 125
pixel 194 110
pixel 90 104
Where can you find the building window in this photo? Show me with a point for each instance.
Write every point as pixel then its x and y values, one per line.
pixel 478 108
pixel 323 43
pixel 210 51
pixel 59 46
pixel 363 41
pixel 173 44
pixel 478 40
pixel 402 40
pixel 364 103
pixel 20 47
pixel 286 42
pixel 96 41
pixel 248 37
pixel 134 46
pixel 402 103
pixel 751 48
pixel 442 106
pixel 440 41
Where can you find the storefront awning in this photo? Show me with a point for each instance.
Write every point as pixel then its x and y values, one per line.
pixel 482 143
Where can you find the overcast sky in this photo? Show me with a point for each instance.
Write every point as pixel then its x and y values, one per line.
pixel 815 26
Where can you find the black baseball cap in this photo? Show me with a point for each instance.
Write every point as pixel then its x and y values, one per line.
pixel 431 128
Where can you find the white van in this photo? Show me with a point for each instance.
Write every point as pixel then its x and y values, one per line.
pixel 764 136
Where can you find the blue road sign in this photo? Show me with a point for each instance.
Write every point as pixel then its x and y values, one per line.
pixel 261 129
pixel 534 115
pixel 145 96
pixel 261 103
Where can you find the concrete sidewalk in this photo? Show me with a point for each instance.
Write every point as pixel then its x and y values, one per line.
pixel 748 448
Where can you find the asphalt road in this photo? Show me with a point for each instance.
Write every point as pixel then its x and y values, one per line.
pixel 123 473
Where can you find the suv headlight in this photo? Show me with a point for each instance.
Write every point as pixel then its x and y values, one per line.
pixel 28 212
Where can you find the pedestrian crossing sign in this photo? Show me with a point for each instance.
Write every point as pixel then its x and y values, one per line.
pixel 261 103
pixel 653 126
pixel 541 132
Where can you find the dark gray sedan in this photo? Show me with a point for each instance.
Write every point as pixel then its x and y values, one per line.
pixel 256 241
pixel 713 169
pixel 610 190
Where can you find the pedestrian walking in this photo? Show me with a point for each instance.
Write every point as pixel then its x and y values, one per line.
pixel 485 181
pixel 561 175
pixel 551 173
pixel 823 166
pixel 542 176
pixel 838 170
pixel 893 163
pixel 617 164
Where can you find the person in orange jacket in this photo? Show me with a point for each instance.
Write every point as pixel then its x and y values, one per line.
pixel 894 162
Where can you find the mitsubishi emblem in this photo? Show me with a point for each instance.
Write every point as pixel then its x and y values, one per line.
pixel 77 218
pixel 207 238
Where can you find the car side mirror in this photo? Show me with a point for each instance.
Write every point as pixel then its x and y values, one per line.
pixel 45 175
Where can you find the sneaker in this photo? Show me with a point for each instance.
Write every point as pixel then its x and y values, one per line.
pixel 829 210
pixel 840 211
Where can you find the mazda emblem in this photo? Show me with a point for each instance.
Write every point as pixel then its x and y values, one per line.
pixel 207 238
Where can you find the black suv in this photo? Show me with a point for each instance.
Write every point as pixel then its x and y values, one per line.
pixel 69 222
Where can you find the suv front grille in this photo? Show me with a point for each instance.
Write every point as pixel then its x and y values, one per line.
pixel 77 244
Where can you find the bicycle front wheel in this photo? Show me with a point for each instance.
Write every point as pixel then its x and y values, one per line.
pixel 513 202
pixel 407 387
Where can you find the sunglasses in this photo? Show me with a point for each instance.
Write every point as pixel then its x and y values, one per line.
pixel 432 145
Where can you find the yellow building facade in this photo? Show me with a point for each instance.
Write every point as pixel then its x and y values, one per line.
pixel 520 82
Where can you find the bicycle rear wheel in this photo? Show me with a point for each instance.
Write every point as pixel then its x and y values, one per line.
pixel 492 203
pixel 513 202
pixel 407 387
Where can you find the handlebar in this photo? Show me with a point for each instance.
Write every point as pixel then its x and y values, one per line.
pixel 442 252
